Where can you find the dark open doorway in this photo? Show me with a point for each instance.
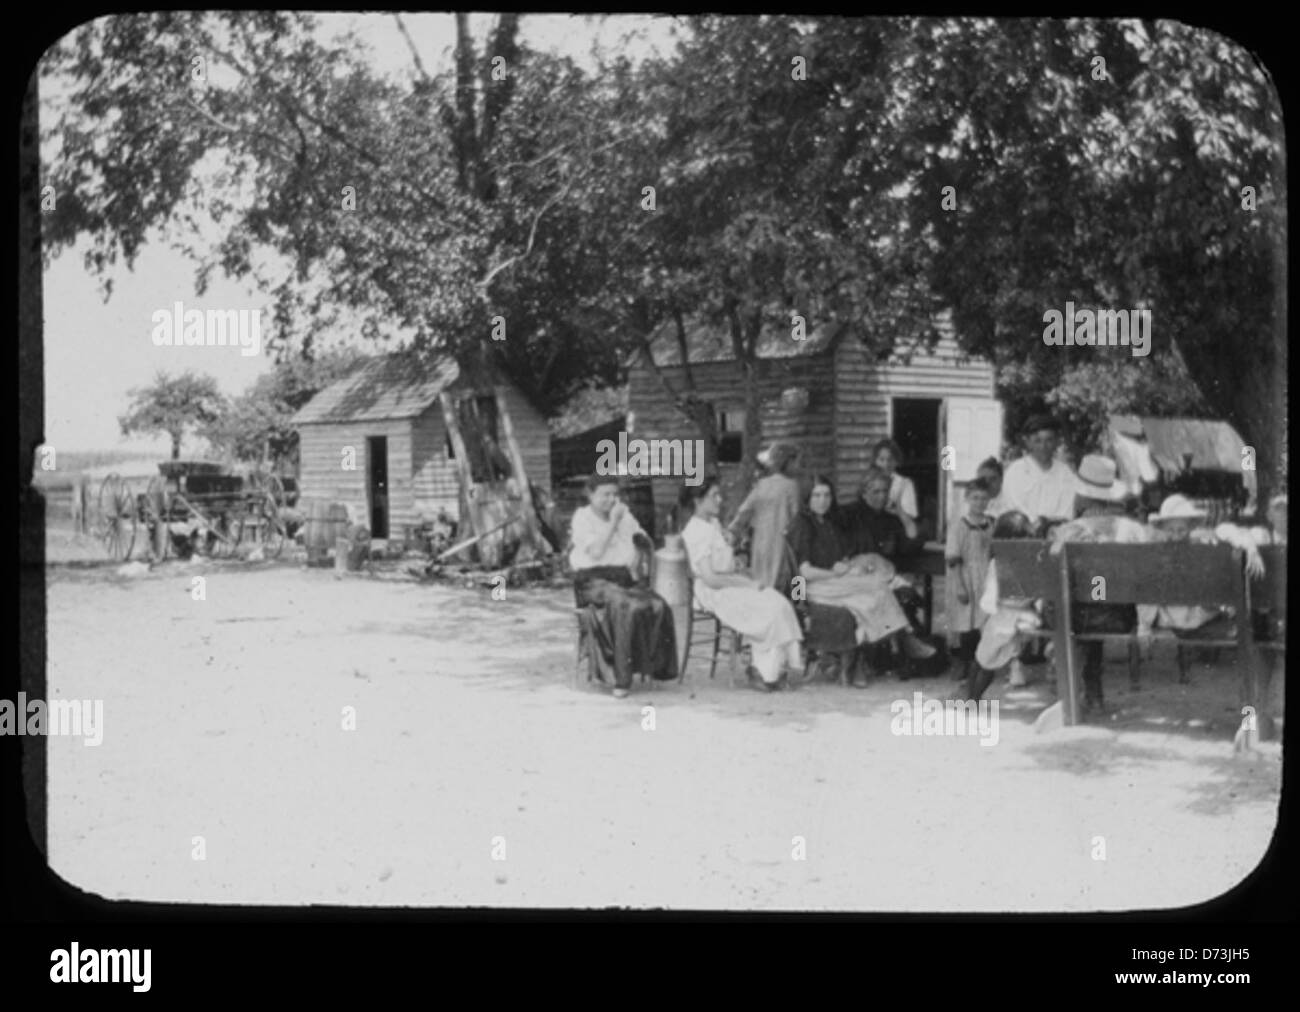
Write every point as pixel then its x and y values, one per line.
pixel 377 485
pixel 916 429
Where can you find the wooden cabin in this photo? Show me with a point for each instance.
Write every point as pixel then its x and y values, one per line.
pixel 377 442
pixel 834 397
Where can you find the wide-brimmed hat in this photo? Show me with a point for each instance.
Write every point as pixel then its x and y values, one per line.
pixel 1177 507
pixel 1098 478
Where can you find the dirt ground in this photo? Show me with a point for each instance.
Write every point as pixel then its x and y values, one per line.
pixel 477 775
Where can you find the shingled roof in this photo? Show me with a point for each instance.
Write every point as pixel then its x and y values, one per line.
pixel 380 389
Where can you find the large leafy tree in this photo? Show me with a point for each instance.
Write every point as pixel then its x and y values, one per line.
pixel 174 405
pixel 411 204
pixel 1104 163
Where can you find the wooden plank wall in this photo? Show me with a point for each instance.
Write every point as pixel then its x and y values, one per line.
pixel 321 475
pixel 655 417
pixel 421 476
pixel 863 389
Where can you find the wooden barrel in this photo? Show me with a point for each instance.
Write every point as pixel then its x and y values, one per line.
pixel 325 522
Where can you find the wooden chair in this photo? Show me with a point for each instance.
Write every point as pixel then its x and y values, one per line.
pixel 810 616
pixel 584 618
pixel 698 616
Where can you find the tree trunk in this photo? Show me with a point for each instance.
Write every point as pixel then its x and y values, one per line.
pixel 176 446
pixel 462 462
pixel 534 545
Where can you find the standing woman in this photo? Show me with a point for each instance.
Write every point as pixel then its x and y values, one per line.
pixel 632 627
pixel 767 512
pixel 760 614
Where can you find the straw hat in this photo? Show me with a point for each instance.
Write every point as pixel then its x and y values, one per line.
pixel 1177 507
pixel 1098 478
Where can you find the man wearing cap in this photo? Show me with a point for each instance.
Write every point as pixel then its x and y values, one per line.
pixel 1039 485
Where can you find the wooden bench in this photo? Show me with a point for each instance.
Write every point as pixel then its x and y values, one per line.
pixel 1211 576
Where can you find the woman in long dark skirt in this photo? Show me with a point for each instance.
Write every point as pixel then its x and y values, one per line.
pixel 631 628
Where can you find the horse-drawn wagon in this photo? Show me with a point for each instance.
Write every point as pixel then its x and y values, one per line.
pixel 197 503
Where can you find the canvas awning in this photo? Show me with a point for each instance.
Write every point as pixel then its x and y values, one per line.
pixel 1178 446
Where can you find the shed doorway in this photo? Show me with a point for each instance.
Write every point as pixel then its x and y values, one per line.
pixel 914 423
pixel 377 485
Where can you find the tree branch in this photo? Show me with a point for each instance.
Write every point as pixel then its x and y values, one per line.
pixel 415 53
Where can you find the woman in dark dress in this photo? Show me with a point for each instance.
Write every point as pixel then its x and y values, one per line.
pixel 820 550
pixel 869 525
pixel 632 627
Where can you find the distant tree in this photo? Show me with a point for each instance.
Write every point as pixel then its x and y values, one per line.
pixel 174 405
pixel 256 424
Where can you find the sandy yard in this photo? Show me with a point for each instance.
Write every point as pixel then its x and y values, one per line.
pixel 476 775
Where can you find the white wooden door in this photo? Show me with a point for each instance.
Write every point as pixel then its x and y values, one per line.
pixel 972 429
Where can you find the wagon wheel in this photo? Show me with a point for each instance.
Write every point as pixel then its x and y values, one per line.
pixel 273 533
pixel 274 489
pixel 156 509
pixel 116 518
pixel 273 526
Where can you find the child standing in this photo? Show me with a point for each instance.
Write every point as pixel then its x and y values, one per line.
pixel 970 539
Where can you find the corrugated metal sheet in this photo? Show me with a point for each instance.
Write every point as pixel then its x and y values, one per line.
pixel 380 389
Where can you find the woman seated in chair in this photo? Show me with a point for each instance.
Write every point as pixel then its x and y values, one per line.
pixel 631 628
pixel 871 528
pixel 860 585
pixel 763 616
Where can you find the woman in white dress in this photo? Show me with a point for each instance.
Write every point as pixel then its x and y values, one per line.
pixel 762 615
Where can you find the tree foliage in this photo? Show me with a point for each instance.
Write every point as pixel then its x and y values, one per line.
pixel 478 195
pixel 175 405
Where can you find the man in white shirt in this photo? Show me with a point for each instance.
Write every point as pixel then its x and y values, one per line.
pixel 1039 485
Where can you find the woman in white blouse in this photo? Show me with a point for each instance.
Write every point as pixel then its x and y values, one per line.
pixel 632 627
pixel 763 616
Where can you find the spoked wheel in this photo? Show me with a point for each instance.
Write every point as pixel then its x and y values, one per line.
pixel 157 507
pixel 116 518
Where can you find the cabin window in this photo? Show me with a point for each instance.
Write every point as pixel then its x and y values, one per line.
pixel 731 436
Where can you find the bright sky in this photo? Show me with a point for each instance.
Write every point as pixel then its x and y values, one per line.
pixel 95 352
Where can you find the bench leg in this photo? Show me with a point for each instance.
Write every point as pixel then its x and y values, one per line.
pixel 1134 666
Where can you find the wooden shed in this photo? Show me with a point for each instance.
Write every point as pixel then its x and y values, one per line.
pixel 377 442
pixel 830 394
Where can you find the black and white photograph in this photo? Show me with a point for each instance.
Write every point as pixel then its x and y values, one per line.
pixel 762 463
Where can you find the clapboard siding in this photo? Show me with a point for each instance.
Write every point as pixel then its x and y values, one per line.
pixel 848 406
pixel 421 477
pixel 864 389
pixel 322 474
pixel 435 484
pixel 655 417
pixel 533 435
